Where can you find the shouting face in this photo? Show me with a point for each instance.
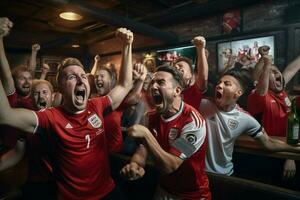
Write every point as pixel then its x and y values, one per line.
pixel 42 95
pixel 23 81
pixel 103 82
pixel 227 92
pixel 75 88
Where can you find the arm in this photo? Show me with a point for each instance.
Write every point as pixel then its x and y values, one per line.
pixel 135 169
pixel 96 63
pixel 275 145
pixel 118 93
pixel 290 71
pixel 139 75
pixel 22 119
pixel 32 62
pixel 263 50
pixel 262 86
pixel 45 70
pixel 5 73
pixel 165 162
pixel 202 65
pixel 13 156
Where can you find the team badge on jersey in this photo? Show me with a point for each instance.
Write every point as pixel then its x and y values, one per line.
pixel 232 124
pixel 95 121
pixel 191 138
pixel 173 134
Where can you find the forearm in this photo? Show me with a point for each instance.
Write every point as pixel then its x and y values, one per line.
pixel 258 70
pixel 134 95
pixel 202 68
pixel 262 86
pixel 165 162
pixel 291 70
pixel 32 62
pixel 5 73
pixel 43 75
pixel 94 69
pixel 13 156
pixel 140 156
pixel 125 78
pixel 275 145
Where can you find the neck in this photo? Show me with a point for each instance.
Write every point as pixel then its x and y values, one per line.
pixel 226 108
pixel 173 110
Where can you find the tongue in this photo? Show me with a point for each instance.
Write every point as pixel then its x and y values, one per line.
pixel 80 98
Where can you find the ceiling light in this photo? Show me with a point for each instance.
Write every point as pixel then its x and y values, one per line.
pixel 75 45
pixel 70 16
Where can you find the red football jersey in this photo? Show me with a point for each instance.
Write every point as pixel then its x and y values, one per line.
pixel 183 135
pixel 271 111
pixel 113 130
pixel 192 96
pixel 78 149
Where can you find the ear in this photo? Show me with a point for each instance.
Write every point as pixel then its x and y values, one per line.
pixel 178 90
pixel 238 93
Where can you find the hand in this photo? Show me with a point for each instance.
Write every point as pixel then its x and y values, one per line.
pixel 289 169
pixel 263 50
pixel 267 59
pixel 45 68
pixel 139 72
pixel 132 171
pixel 5 26
pixel 199 42
pixel 137 131
pixel 124 35
pixel 97 58
pixel 36 47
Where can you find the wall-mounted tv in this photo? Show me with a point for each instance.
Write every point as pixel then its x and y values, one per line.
pixel 237 49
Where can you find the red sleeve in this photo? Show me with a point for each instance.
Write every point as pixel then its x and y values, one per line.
pixel 256 103
pixel 102 104
pixel 13 99
pixel 43 121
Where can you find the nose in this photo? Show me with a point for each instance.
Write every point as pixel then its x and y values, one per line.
pixel 79 80
pixel 219 85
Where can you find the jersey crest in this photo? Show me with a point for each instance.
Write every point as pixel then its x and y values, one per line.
pixel 173 134
pixel 95 121
pixel 232 124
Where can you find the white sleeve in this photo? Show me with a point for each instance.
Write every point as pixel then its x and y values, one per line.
pixel 192 137
pixel 254 128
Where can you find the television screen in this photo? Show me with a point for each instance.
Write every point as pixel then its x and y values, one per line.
pixel 235 51
pixel 172 54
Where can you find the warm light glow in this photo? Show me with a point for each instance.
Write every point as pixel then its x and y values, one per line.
pixel 75 45
pixel 70 16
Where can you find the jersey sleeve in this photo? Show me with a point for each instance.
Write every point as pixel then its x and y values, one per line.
pixel 256 103
pixel 104 104
pixel 254 128
pixel 191 138
pixel 13 99
pixel 43 121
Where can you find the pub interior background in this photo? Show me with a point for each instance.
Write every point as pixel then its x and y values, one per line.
pixel 162 25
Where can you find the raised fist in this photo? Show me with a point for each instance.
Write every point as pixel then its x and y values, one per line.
pixel 124 35
pixel 263 50
pixel 199 42
pixel 139 71
pixel 5 26
pixel 97 58
pixel 35 47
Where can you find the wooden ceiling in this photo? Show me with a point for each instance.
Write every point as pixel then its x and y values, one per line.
pixel 39 22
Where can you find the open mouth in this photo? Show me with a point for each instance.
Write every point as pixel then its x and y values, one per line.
pixel 218 95
pixel 42 104
pixel 80 95
pixel 100 85
pixel 157 98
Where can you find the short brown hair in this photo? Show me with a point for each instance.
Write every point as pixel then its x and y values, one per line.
pixel 175 73
pixel 65 63
pixel 36 82
pixel 187 60
pixel 18 69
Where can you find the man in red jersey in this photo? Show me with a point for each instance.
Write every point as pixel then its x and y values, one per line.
pixel 74 132
pixel 175 139
pixel 195 83
pixel 269 103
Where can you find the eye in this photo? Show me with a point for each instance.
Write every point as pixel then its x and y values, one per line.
pixel 71 76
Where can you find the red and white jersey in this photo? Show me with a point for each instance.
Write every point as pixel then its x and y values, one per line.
pixel 183 135
pixel 78 149
pixel 192 96
pixel 271 111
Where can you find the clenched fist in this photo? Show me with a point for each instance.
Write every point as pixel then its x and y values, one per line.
pixel 5 26
pixel 199 42
pixel 132 171
pixel 124 35
pixel 263 50
pixel 35 47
